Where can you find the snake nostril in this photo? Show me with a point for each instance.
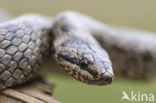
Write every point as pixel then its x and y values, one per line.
pixel 109 79
pixel 105 79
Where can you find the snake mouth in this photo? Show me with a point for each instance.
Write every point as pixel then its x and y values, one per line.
pixel 104 80
pixel 81 69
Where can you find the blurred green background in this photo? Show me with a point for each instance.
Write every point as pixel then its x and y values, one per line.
pixel 140 14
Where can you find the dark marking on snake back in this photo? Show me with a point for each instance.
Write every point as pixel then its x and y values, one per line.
pixel 147 56
pixel 76 41
pixel 68 27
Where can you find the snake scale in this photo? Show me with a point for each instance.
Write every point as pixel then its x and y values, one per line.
pixel 87 49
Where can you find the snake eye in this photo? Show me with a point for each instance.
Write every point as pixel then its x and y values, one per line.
pixel 84 64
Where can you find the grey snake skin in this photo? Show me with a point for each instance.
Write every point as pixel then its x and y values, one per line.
pixel 80 46
pixel 23 42
pixel 132 52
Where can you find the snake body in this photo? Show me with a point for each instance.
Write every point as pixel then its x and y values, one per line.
pixel 23 42
pixel 80 44
pixel 132 52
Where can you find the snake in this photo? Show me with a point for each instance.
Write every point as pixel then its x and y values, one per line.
pixel 87 49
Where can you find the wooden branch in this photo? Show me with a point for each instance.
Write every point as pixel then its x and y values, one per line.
pixel 33 92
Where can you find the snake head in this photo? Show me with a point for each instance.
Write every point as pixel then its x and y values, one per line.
pixel 85 61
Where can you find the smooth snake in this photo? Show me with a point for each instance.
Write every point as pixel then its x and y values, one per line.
pixel 87 49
